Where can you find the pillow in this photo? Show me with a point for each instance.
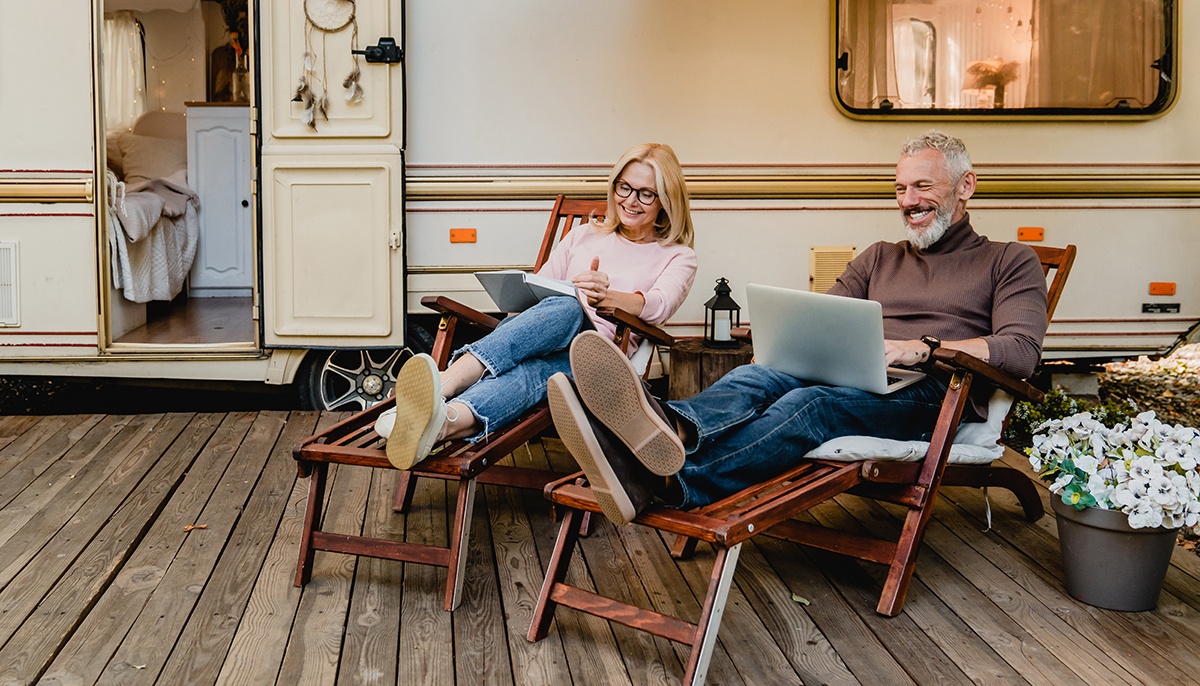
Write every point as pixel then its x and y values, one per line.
pixel 974 442
pixel 112 145
pixel 148 158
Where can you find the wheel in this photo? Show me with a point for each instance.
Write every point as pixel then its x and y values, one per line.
pixel 355 379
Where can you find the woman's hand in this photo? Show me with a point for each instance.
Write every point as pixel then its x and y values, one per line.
pixel 592 283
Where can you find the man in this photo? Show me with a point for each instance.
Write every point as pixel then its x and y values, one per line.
pixel 944 286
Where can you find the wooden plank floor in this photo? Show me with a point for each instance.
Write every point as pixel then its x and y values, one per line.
pixel 160 549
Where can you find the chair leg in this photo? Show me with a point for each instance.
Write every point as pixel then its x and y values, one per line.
pixel 406 485
pixel 312 519
pixel 683 547
pixel 556 571
pixel 710 617
pixel 895 587
pixel 460 537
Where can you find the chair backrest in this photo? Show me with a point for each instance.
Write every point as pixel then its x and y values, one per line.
pixel 567 212
pixel 1060 260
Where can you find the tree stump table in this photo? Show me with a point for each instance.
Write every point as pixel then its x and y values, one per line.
pixel 695 367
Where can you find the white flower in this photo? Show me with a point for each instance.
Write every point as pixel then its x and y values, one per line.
pixel 1088 463
pixel 1162 491
pixel 1144 515
pixel 1062 482
pixel 1144 467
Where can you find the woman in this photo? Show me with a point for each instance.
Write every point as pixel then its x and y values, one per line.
pixel 638 259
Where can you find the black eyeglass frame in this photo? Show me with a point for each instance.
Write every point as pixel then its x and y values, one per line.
pixel 641 193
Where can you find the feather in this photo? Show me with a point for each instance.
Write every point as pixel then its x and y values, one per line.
pixel 352 78
pixel 354 93
pixel 308 61
pixel 323 106
pixel 301 89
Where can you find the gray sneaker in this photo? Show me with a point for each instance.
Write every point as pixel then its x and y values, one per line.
pixel 623 487
pixel 613 391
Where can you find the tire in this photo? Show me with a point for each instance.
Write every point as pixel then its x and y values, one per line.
pixel 355 379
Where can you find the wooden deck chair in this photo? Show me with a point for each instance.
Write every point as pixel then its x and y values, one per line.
pixel 353 442
pixel 769 508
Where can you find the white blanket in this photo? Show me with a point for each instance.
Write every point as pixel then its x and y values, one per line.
pixel 153 235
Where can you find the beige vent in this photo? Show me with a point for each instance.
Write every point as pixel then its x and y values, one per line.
pixel 10 311
pixel 826 263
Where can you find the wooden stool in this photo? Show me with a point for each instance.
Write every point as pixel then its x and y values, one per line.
pixel 695 367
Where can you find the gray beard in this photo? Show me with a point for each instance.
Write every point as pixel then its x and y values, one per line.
pixel 937 229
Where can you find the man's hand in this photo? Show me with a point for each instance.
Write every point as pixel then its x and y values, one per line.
pixel 905 353
pixel 592 283
pixel 911 353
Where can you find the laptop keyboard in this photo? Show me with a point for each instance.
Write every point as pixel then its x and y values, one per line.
pixel 892 379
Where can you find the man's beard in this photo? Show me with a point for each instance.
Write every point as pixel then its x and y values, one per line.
pixel 937 228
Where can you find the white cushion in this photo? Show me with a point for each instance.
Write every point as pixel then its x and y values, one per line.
pixel 149 158
pixel 974 443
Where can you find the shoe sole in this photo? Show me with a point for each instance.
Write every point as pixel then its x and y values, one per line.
pixel 612 390
pixel 576 433
pixel 419 412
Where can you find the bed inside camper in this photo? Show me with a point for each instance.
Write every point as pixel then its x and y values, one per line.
pixel 178 188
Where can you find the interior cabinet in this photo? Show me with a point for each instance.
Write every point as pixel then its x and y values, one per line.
pixel 218 151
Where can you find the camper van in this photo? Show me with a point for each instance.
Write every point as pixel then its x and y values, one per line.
pixel 264 191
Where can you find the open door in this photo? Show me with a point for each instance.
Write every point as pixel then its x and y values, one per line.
pixel 332 177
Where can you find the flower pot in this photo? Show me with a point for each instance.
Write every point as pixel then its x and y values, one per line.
pixel 1108 563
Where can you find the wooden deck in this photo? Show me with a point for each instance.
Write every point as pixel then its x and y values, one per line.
pixel 160 549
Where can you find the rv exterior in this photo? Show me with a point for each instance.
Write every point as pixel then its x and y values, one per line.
pixel 320 187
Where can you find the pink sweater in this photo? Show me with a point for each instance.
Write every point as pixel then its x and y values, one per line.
pixel 662 274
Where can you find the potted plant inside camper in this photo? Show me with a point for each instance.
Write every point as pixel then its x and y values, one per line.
pixel 1123 493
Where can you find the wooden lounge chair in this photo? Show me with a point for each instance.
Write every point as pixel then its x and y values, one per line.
pixel 769 508
pixel 354 441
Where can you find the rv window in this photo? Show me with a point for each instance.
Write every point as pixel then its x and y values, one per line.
pixel 1000 58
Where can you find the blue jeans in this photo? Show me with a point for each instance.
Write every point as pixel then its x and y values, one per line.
pixel 755 423
pixel 519 356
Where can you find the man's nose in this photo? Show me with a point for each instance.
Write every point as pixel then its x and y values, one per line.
pixel 907 197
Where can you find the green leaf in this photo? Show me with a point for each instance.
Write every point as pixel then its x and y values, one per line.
pixel 800 599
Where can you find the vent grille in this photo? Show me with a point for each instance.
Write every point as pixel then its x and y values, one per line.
pixel 826 263
pixel 10 313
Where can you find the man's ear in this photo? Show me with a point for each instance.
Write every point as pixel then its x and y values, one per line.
pixel 966 186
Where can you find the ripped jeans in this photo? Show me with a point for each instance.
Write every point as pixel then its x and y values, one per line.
pixel 519 357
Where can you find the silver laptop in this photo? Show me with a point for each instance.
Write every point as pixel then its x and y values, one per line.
pixel 824 338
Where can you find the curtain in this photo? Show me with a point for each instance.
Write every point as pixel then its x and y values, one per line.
pixel 1096 53
pixel 124 72
pixel 865 33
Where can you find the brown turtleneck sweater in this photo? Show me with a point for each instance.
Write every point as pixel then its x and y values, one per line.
pixel 962 287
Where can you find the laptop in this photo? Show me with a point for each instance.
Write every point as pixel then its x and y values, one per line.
pixel 823 338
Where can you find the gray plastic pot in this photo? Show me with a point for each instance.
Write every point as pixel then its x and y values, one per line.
pixel 1108 563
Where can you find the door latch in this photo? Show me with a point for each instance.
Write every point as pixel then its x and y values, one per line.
pixel 387 52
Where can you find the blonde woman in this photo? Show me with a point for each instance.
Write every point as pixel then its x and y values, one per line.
pixel 639 258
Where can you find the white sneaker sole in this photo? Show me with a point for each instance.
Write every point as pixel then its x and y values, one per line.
pixel 420 412
pixel 612 390
pixel 576 433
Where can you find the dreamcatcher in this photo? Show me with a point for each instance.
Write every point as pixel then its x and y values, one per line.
pixel 326 16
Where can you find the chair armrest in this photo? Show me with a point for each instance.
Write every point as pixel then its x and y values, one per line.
pixel 996 377
pixel 641 328
pixel 454 308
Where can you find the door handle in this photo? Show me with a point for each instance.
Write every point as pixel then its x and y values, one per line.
pixel 387 52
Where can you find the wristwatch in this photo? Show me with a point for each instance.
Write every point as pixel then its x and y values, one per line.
pixel 933 342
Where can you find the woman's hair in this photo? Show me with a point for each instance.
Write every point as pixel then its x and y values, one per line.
pixel 674 222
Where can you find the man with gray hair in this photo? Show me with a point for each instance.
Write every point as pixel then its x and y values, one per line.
pixel 944 286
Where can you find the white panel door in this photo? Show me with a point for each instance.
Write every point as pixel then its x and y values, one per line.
pixel 333 195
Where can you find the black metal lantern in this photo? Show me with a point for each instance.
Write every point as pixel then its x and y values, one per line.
pixel 721 316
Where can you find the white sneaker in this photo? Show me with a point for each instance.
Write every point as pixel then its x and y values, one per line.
pixel 418 416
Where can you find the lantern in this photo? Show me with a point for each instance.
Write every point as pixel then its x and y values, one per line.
pixel 721 315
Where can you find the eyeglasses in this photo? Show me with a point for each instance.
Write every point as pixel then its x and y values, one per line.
pixel 644 195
